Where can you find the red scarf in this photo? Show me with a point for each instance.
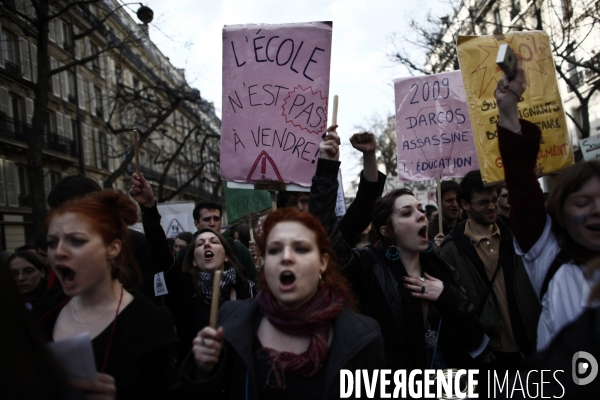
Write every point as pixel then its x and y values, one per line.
pixel 314 318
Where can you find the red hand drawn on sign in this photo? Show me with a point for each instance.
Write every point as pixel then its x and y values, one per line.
pixel 264 174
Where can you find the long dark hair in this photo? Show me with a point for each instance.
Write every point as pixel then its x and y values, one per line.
pixel 33 259
pixel 189 269
pixel 27 368
pixel 570 180
pixel 382 213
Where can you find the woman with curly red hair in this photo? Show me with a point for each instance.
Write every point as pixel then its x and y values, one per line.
pixel 296 336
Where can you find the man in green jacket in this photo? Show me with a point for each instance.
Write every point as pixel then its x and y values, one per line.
pixel 481 249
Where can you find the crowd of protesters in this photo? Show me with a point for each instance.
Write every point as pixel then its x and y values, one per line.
pixel 509 283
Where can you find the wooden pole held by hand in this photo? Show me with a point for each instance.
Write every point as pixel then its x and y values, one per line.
pixel 250 228
pixel 214 305
pixel 136 148
pixel 439 201
pixel 335 110
pixel 254 258
pixel 273 200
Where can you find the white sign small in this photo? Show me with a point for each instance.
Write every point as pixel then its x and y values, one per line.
pixel 340 202
pixel 160 286
pixel 176 218
pixel 590 148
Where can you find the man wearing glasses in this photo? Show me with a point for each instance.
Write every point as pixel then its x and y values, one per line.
pixel 481 249
pixel 503 206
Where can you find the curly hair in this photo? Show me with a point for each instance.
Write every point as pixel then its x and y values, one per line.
pixel 332 276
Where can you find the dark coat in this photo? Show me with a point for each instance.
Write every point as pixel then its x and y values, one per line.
pixel 358 215
pixel 141 350
pixel 383 305
pixel 356 344
pixel 190 310
pixel 524 307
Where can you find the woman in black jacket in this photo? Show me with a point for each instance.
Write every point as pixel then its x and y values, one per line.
pixel 189 286
pixel 425 316
pixel 294 339
pixel 88 248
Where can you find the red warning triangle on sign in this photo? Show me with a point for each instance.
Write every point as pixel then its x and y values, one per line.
pixel 267 170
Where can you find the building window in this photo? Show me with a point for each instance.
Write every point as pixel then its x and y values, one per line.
pixel 95 61
pixel 24 200
pixel 15 120
pixel 515 8
pixel 9 183
pixel 567 9
pixel 99 105
pixel 498 20
pixel 70 86
pixel 9 46
pixel 52 122
pixel 66 34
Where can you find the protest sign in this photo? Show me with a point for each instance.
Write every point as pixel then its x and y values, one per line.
pixel 590 148
pixel 540 104
pixel 340 201
pixel 176 218
pixel 433 129
pixel 275 91
pixel 241 203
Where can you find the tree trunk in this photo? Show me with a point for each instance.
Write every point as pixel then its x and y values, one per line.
pixel 35 147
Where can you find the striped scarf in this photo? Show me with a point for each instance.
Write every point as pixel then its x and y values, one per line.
pixel 315 318
pixel 205 281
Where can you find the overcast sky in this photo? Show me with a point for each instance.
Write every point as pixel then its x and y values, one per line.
pixel 189 32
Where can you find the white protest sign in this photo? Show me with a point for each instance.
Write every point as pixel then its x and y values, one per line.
pixel 176 218
pixel 340 202
pixel 590 148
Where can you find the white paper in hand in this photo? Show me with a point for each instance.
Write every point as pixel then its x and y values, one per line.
pixel 76 356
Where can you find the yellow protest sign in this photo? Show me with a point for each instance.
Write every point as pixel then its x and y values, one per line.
pixel 540 104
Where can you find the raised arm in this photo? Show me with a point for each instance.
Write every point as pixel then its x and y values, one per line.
pixel 323 192
pixel 370 188
pixel 519 143
pixel 141 191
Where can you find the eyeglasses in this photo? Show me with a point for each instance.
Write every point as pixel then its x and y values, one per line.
pixel 485 203
pixel 293 201
pixel 27 272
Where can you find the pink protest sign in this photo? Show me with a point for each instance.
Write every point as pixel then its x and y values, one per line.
pixel 433 128
pixel 275 91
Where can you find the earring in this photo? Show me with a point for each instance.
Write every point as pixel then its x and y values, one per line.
pixel 393 254
pixel 429 247
pixel 320 278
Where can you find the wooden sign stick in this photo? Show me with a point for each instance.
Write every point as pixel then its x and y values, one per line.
pixel 254 258
pixel 439 201
pixel 273 200
pixel 214 304
pixel 335 110
pixel 136 148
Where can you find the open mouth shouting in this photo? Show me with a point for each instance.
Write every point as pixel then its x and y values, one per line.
pixel 594 228
pixel 287 281
pixel 423 233
pixel 209 255
pixel 66 275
